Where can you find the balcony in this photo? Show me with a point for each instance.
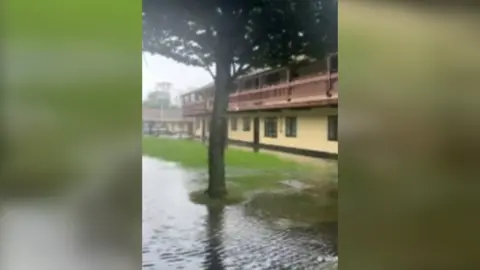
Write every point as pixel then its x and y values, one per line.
pixel 197 108
pixel 312 91
pixel 318 90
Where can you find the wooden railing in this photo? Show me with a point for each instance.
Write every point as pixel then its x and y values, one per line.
pixel 196 108
pixel 315 90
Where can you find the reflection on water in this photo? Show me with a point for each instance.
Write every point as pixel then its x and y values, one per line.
pixel 178 234
pixel 213 259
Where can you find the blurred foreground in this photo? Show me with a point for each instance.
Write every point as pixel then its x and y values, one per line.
pixel 70 110
pixel 409 139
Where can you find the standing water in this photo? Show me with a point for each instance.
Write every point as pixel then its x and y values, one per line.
pixel 178 234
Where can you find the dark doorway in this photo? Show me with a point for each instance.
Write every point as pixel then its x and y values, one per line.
pixel 256 133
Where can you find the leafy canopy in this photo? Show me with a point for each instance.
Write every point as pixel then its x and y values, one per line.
pixel 244 34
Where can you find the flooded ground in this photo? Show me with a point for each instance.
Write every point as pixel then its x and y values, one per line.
pixel 178 234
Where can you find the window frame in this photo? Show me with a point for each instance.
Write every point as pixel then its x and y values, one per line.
pixel 270 132
pixel 289 133
pixel 246 123
pixel 233 124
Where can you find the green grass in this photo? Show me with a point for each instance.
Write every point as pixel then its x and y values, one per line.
pixel 307 208
pixel 264 171
pixel 193 154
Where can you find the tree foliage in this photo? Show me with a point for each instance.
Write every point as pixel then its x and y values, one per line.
pixel 157 100
pixel 260 33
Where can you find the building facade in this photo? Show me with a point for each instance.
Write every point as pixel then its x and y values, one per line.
pixel 165 121
pixel 288 110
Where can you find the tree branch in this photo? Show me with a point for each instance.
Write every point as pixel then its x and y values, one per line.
pixel 204 43
pixel 241 71
pixel 210 71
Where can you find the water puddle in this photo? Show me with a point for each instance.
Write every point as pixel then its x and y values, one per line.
pixel 259 234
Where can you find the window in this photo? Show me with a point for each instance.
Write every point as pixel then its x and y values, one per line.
pixel 333 128
pixel 270 126
pixel 291 127
pixel 233 122
pixel 246 124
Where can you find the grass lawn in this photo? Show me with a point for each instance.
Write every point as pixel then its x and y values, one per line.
pixel 193 154
pixel 266 171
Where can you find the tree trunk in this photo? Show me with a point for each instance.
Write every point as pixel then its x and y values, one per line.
pixel 217 139
pixel 225 133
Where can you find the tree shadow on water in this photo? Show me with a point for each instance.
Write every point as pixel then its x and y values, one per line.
pixel 214 245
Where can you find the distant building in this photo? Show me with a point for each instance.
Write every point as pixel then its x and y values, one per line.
pixel 165 121
pixel 163 86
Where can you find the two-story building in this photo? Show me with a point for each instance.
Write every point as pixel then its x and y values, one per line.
pixel 292 110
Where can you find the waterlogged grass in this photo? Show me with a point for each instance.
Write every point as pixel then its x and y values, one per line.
pixel 247 171
pixel 233 196
pixel 315 205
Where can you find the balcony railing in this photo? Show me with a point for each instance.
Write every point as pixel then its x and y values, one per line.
pixel 315 90
pixel 311 91
pixel 196 108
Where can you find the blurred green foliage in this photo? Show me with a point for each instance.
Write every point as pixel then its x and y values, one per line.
pixel 72 102
pixel 73 80
pixel 409 138
pixel 108 22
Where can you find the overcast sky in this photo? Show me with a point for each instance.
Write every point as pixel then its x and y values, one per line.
pixel 158 69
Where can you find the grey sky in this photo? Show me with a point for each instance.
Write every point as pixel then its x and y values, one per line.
pixel 157 68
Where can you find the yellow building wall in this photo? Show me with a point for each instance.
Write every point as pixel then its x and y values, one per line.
pixel 239 134
pixel 207 126
pixel 198 131
pixel 312 129
pixel 197 128
pixel 179 127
